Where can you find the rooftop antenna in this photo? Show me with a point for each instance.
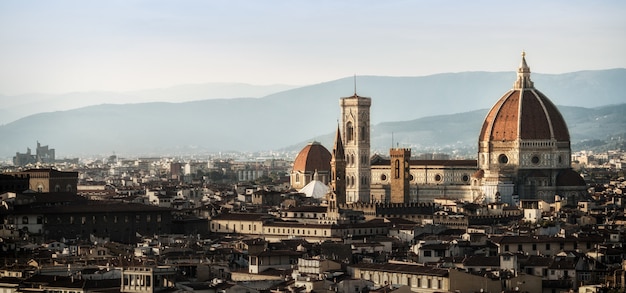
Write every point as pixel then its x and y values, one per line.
pixel 355 84
pixel 392 139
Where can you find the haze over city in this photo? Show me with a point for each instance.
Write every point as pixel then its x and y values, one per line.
pixel 333 146
pixel 72 46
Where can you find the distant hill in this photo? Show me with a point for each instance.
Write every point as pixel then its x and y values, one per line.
pixel 406 98
pixel 597 128
pixel 16 107
pixel 438 111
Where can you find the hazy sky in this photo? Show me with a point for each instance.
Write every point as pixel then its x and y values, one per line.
pixel 65 46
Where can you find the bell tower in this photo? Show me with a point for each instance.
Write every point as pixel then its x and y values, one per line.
pixel 400 174
pixel 355 116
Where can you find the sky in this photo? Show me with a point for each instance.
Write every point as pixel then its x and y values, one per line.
pixel 66 46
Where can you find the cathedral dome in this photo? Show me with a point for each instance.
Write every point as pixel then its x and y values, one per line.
pixel 524 113
pixel 313 157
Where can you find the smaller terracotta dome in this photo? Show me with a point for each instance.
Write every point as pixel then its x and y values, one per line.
pixel 569 177
pixel 313 157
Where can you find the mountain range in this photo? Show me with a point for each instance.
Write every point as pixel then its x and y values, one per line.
pixel 430 112
pixel 18 106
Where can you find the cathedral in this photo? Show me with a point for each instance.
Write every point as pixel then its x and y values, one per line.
pixel 523 153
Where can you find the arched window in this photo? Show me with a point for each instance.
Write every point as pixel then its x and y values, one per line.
pixel 349 131
pixel 397 169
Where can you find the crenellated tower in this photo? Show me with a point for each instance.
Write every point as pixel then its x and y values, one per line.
pixel 400 174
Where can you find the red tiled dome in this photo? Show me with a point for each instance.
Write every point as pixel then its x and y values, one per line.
pixel 313 157
pixel 524 113
pixel 528 116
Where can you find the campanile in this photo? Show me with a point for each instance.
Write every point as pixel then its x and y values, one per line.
pixel 355 116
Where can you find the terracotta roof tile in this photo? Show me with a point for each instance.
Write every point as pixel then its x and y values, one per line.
pixel 312 157
pixel 526 115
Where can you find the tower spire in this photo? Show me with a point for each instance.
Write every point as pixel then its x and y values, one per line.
pixel 338 151
pixel 523 75
pixel 338 170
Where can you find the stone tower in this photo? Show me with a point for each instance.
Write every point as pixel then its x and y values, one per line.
pixel 400 174
pixel 355 115
pixel 338 169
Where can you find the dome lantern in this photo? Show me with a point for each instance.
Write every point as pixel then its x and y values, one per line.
pixel 523 75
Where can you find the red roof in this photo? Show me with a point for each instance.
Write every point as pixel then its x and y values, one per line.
pixel 313 157
pixel 526 115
